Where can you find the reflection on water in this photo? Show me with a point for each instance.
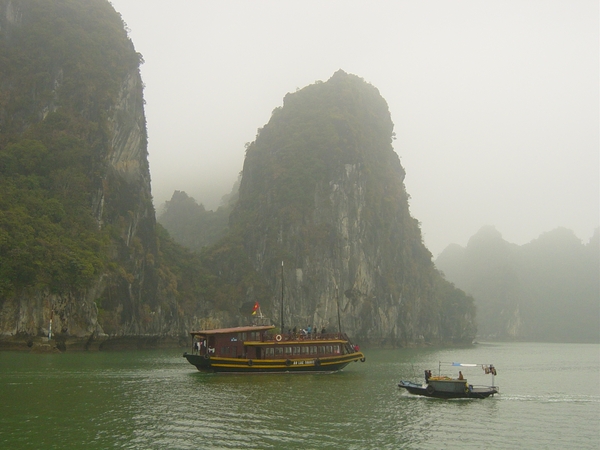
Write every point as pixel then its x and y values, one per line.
pixel 549 396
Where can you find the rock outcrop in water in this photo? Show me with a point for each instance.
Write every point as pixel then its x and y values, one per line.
pixel 546 290
pixel 78 243
pixel 322 191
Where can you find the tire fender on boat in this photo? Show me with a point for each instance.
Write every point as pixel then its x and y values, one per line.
pixel 206 356
pixel 250 362
pixel 363 359
pixel 288 362
pixel 430 389
pixel 278 338
pixel 317 362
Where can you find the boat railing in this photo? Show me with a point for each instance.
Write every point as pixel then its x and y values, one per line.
pixel 282 337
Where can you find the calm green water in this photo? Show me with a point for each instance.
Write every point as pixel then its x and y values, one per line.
pixel 550 398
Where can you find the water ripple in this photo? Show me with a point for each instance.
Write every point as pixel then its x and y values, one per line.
pixel 155 400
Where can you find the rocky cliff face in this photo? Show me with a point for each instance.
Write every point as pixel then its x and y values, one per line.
pixel 322 191
pixel 70 81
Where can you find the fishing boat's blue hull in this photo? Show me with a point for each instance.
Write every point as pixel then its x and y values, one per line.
pixel 430 390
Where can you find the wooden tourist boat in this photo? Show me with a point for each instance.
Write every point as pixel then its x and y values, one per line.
pixel 446 387
pixel 257 349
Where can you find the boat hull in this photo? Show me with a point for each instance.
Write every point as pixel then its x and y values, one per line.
pixel 430 391
pixel 214 364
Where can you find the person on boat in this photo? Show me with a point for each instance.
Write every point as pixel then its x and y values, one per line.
pixel 323 330
pixel 309 330
pixel 427 375
pixel 460 375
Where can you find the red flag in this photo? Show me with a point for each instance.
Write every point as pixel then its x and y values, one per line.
pixel 256 306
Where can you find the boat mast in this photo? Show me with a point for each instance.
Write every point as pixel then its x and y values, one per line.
pixel 282 297
pixel 337 297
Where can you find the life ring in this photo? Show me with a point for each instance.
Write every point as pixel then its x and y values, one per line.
pixel 288 362
pixel 363 359
pixel 430 389
pixel 278 338
pixel 317 362
pixel 250 362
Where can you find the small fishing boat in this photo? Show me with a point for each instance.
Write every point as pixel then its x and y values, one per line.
pixel 447 387
pixel 257 349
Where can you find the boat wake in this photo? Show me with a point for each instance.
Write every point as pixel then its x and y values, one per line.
pixel 552 398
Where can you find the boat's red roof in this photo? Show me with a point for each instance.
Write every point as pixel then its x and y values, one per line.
pixel 233 330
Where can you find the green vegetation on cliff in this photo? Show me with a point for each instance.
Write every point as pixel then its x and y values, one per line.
pixel 61 68
pixel 65 54
pixel 77 229
pixel 49 237
pixel 317 131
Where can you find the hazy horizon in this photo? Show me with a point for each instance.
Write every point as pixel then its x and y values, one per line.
pixel 495 104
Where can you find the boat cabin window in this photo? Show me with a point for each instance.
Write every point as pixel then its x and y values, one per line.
pixel 287 351
pixel 255 335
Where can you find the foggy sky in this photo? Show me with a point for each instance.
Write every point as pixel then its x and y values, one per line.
pixel 495 103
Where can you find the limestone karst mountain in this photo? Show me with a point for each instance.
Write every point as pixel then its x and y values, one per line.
pixel 322 191
pixel 77 226
pixel 191 224
pixel 546 290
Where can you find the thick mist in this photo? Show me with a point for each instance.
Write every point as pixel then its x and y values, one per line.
pixel 495 104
